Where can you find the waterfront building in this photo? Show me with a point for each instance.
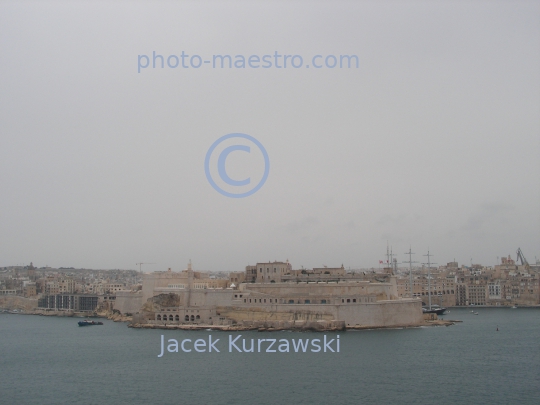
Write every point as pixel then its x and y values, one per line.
pixel 69 302
pixel 505 284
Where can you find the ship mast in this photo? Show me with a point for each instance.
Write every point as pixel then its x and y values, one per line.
pixel 410 253
pixel 429 276
pixel 390 258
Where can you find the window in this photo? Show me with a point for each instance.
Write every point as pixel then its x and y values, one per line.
pixel 307 302
pixel 348 300
pixel 354 300
pixel 323 301
pixel 291 301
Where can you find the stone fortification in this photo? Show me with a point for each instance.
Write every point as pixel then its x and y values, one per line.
pixel 188 298
pixel 16 302
pixel 238 314
pixel 128 302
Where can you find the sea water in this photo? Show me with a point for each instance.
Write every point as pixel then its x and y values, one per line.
pixel 50 360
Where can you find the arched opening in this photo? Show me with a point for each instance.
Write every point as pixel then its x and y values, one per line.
pixel 170 317
pixel 177 318
pixel 192 317
pixel 186 317
pixel 159 317
pixel 197 317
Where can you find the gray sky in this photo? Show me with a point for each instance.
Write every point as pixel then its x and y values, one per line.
pixel 432 142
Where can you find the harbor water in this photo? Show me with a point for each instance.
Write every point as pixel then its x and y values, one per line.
pixel 489 358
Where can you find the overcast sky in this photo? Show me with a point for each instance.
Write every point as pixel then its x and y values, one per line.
pixel 432 142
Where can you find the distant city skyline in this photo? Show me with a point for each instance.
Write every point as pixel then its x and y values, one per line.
pixel 402 264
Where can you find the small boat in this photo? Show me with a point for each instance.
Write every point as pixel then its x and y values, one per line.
pixel 86 322
pixel 435 309
pixel 475 313
pixel 514 307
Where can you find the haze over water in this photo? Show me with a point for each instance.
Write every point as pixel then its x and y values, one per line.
pixel 52 361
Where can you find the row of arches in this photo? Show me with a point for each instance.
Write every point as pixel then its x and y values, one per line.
pixel 187 318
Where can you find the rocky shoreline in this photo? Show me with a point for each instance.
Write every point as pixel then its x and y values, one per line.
pixel 115 317
pixel 257 326
pixel 298 328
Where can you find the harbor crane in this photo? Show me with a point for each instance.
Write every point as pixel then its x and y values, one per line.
pixel 140 266
pixel 521 257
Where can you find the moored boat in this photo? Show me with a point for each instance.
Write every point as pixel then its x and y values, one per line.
pixel 86 322
pixel 435 309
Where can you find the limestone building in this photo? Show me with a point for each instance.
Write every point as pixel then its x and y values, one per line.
pixel 275 295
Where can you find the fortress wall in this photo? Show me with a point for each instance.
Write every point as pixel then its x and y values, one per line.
pixel 322 289
pixel 17 302
pixel 128 302
pixel 382 313
pixel 205 297
pixel 212 297
pixel 275 313
pixel 161 280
